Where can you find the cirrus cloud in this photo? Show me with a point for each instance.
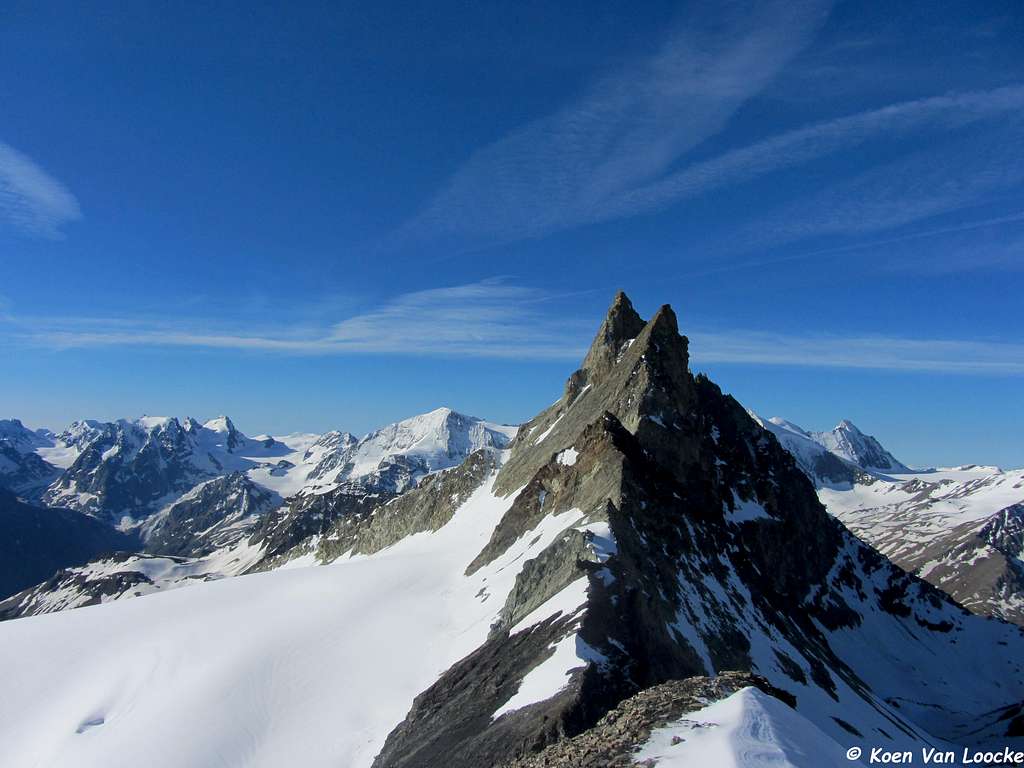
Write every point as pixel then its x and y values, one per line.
pixel 32 200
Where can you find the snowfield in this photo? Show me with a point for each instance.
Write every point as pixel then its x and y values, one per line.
pixel 749 729
pixel 308 666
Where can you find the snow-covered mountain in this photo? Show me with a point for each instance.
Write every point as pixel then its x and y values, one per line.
pixel 215 514
pixel 643 529
pixel 16 434
pixel 848 442
pixel 823 467
pixel 396 457
pixel 956 528
pixel 220 502
pixel 834 458
pixel 126 471
pixel 352 476
pixel 22 470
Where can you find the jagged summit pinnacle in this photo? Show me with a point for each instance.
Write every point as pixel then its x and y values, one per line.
pixel 636 370
pixel 704 548
pixel 620 326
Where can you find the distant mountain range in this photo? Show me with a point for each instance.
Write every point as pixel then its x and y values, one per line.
pixel 195 490
pixel 582 586
pixel 217 501
pixel 643 552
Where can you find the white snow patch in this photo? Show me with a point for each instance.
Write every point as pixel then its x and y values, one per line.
pixel 567 602
pixel 568 457
pixel 60 455
pixel 547 431
pixel 749 729
pixel 552 675
pixel 602 540
pixel 745 511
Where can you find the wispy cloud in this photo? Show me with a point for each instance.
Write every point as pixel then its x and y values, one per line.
pixel 887 353
pixel 962 252
pixel 808 143
pixel 492 318
pixel 31 199
pixel 950 176
pixel 574 166
pixel 616 151
pixel 497 319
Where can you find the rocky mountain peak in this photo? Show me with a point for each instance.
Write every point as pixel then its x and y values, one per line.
pixel 848 442
pixel 637 371
pixel 222 425
pixel 10 425
pixel 688 542
pixel 18 435
pixel 621 325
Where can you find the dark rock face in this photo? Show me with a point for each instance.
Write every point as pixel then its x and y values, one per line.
pixel 425 508
pixel 37 541
pixel 722 558
pixel 643 381
pixel 215 514
pixel 450 723
pixel 26 474
pixel 287 529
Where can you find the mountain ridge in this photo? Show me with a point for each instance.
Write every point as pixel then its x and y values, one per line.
pixel 649 438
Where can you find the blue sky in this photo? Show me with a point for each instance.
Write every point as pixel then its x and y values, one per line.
pixel 332 216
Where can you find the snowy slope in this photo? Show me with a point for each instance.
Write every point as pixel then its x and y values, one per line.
pixel 954 527
pixel 957 528
pixel 261 670
pixel 749 729
pixel 910 509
